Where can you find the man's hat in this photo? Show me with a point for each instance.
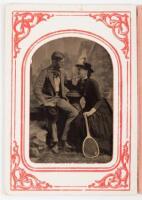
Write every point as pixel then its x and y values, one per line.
pixel 85 65
pixel 57 55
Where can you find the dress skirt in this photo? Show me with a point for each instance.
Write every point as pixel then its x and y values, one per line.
pixel 100 127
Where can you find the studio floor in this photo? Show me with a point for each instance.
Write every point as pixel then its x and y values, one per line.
pixel 41 153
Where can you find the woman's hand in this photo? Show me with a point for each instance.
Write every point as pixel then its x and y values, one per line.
pixel 90 112
pixel 82 102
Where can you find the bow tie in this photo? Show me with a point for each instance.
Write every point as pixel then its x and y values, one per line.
pixel 56 73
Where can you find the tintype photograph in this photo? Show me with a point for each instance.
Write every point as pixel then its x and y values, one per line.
pixel 71 102
pixel 71 106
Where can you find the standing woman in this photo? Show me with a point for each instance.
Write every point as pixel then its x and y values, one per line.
pixel 97 110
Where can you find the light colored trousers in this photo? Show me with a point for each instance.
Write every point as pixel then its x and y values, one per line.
pixel 71 113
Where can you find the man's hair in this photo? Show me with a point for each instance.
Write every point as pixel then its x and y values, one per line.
pixel 57 55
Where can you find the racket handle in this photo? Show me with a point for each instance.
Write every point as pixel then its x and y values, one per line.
pixel 87 126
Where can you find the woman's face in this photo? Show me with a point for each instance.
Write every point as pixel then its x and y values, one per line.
pixel 82 73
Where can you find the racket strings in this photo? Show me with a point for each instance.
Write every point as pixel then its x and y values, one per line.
pixel 90 148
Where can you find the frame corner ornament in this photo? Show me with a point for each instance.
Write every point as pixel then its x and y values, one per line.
pixel 20 179
pixel 119 178
pixel 119 25
pixel 23 22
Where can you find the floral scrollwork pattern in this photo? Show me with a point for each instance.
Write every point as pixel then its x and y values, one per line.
pixel 22 25
pixel 20 179
pixel 119 25
pixel 118 178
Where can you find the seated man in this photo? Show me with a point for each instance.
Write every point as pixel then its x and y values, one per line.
pixel 50 91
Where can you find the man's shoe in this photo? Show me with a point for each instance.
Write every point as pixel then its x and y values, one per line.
pixel 55 148
pixel 66 146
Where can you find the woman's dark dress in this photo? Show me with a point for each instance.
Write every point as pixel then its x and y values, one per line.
pixel 100 123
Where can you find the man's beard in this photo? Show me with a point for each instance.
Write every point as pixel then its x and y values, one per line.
pixel 57 67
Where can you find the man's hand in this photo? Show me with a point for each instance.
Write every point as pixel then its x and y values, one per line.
pixel 51 102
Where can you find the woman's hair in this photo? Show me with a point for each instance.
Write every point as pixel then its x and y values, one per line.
pixel 89 74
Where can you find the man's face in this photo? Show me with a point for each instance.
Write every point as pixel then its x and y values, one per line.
pixel 58 63
pixel 61 62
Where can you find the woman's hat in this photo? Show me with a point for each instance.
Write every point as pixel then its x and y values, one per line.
pixel 86 66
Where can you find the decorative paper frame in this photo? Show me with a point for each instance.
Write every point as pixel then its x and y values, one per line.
pixel 30 26
pixel 139 32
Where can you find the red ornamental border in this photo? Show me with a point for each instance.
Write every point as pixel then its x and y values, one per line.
pixel 21 180
pixel 119 178
pixel 119 25
pixel 25 21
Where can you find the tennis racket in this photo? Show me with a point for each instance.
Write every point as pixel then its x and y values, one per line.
pixel 90 147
